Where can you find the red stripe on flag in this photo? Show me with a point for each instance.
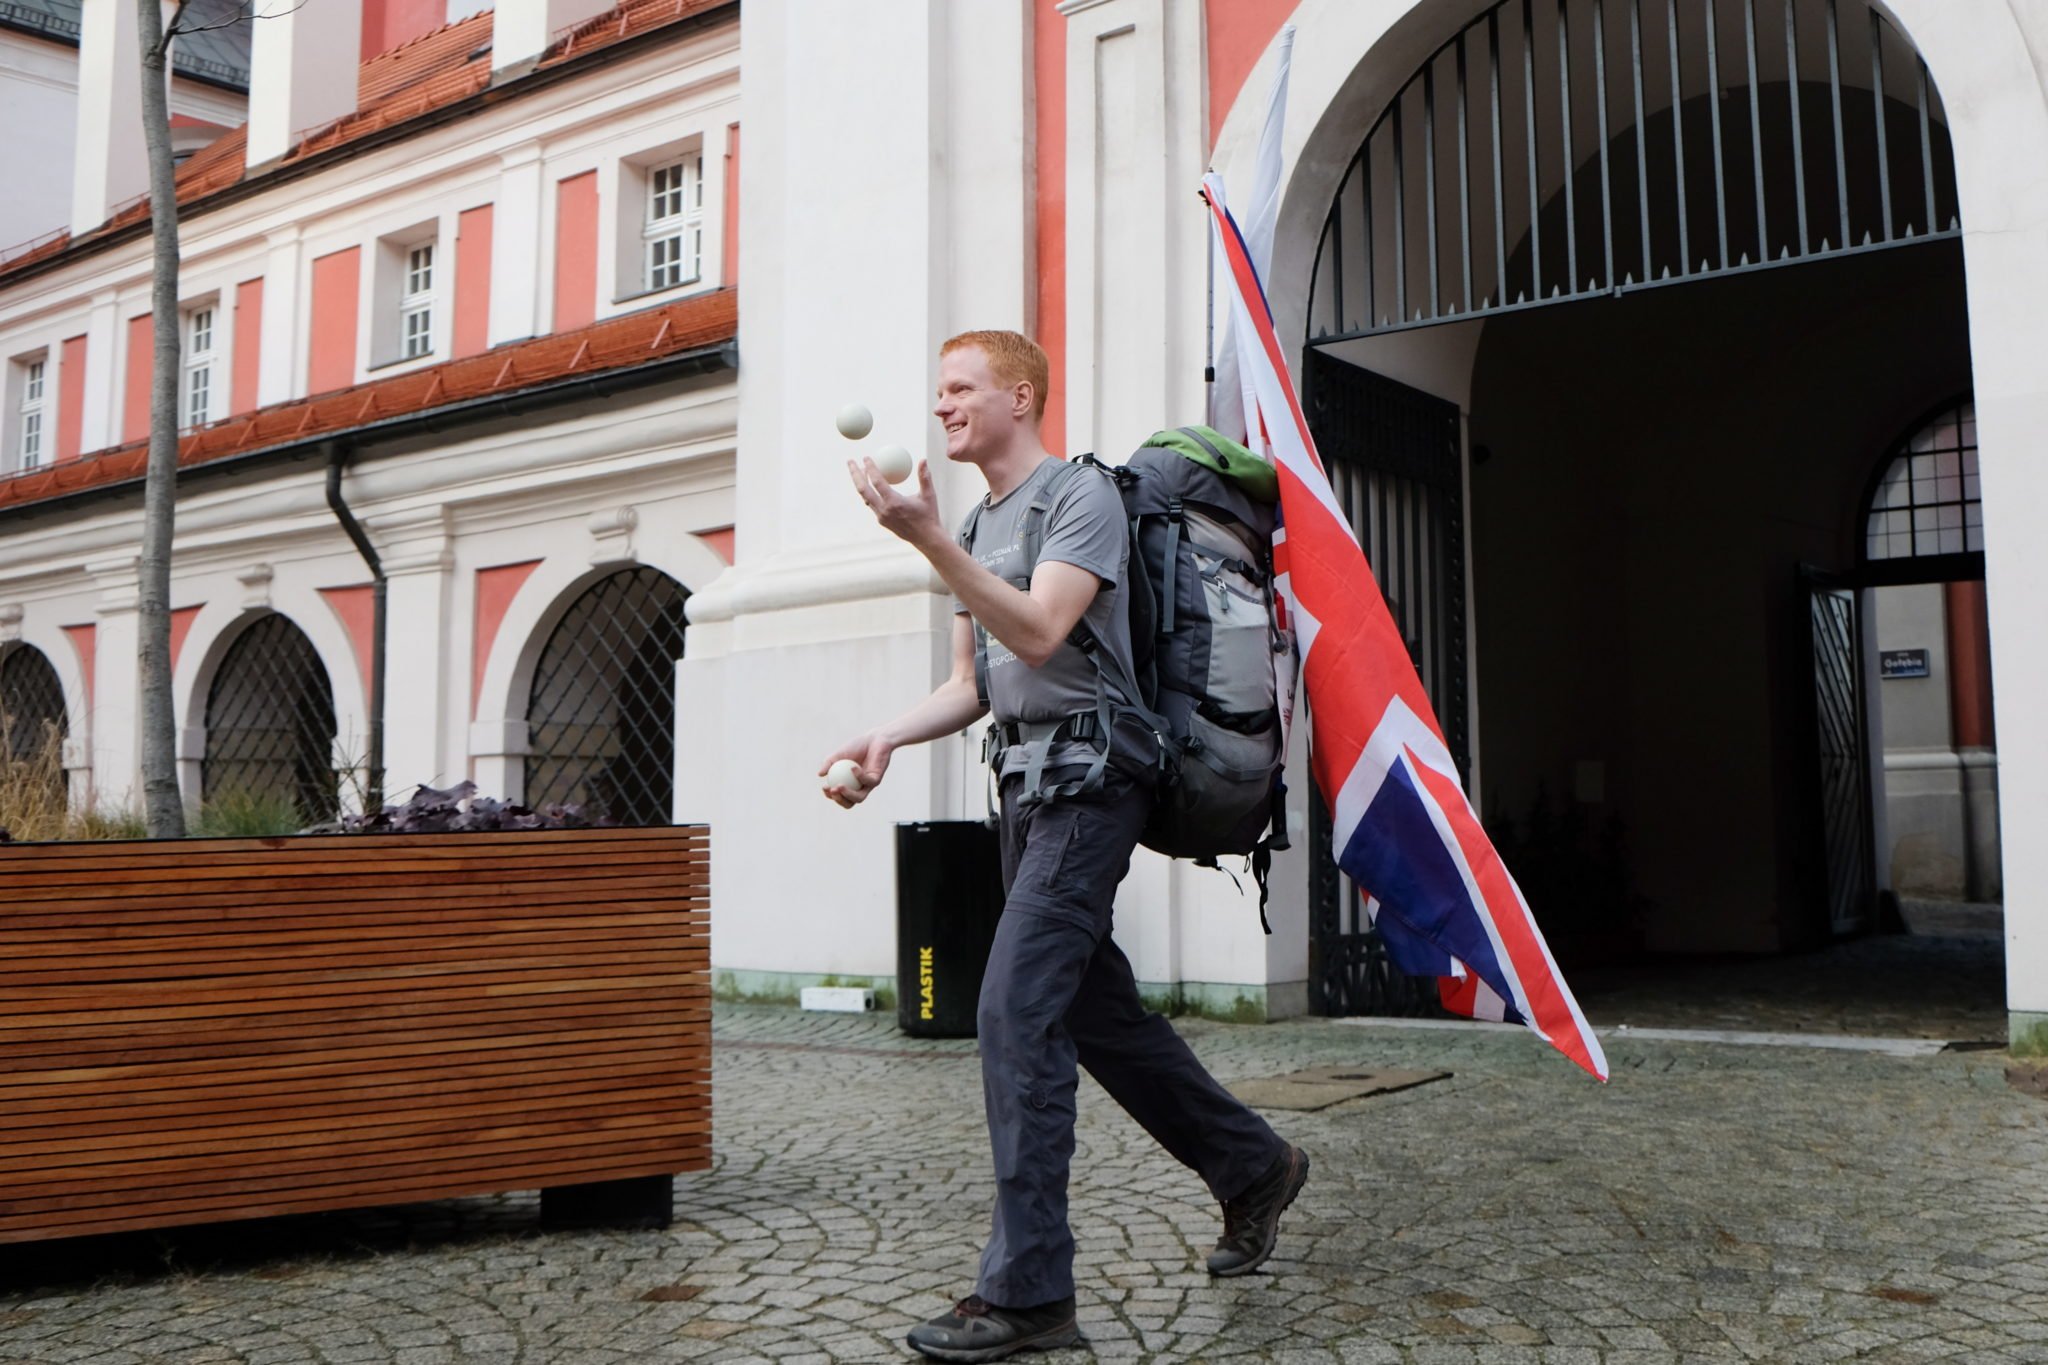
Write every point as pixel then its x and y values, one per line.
pixel 1550 1008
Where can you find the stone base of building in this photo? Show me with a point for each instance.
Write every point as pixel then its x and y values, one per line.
pixel 1228 1001
pixel 2029 1034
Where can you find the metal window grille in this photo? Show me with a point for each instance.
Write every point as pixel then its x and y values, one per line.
pixel 270 723
pixel 601 714
pixel 1929 501
pixel 416 305
pixel 198 367
pixel 32 714
pixel 1568 149
pixel 674 232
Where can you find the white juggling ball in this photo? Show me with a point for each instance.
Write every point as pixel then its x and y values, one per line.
pixel 894 462
pixel 843 776
pixel 855 421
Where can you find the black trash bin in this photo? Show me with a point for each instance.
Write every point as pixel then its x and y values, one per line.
pixel 949 897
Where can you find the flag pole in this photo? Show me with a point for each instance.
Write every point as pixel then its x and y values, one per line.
pixel 1209 322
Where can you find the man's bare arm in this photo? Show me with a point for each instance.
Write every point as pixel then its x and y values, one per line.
pixel 1031 624
pixel 951 707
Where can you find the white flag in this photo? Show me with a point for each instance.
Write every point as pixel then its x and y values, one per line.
pixel 1232 401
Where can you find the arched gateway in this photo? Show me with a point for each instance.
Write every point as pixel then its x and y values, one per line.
pixel 1624 536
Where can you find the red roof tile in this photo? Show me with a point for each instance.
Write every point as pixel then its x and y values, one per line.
pixel 393 88
pixel 615 344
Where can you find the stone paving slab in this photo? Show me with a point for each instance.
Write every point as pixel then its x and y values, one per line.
pixel 1712 1203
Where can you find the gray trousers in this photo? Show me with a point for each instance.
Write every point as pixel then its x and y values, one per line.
pixel 1057 993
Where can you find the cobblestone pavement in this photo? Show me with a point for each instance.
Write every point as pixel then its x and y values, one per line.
pixel 1713 1203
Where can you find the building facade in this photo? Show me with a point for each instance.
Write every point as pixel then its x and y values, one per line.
pixel 1646 342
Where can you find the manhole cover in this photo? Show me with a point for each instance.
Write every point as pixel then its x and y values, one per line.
pixel 1322 1086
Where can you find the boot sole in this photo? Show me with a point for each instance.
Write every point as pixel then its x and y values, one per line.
pixel 1294 1187
pixel 1052 1339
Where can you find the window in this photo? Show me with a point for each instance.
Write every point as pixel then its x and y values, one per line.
pixel 1929 502
pixel 31 443
pixel 416 303
pixel 196 397
pixel 674 230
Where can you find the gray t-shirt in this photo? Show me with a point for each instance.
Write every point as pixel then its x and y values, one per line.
pixel 1084 526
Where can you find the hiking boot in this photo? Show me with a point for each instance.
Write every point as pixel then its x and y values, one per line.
pixel 1251 1222
pixel 978 1330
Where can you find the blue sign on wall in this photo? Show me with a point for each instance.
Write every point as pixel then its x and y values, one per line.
pixel 1902 663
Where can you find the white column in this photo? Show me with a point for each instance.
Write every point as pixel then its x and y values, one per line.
pixel 278 363
pixel 117 702
pixel 515 247
pixel 828 624
pixel 522 29
pixel 302 72
pixel 110 166
pixel 418 567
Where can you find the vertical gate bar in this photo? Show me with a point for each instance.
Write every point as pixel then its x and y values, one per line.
pixel 1926 151
pixel 1500 213
pixel 1464 179
pixel 1798 127
pixel 1606 171
pixel 1835 97
pixel 1529 108
pixel 1371 243
pixel 1400 214
pixel 1429 177
pixel 1714 108
pixel 1564 103
pixel 1337 251
pixel 1678 142
pixel 1884 157
pixel 1756 131
pixel 1642 134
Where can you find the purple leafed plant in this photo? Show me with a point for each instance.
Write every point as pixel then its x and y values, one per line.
pixel 458 809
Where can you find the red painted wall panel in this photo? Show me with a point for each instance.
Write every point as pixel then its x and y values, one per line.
pixel 70 398
pixel 473 281
pixel 356 609
pixel 181 626
pixel 141 363
pixel 1049 72
pixel 333 361
pixel 393 23
pixel 732 204
pixel 1238 31
pixel 248 347
pixel 495 589
pixel 576 251
pixel 85 639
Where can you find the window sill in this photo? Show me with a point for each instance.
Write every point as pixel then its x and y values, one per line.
pixel 641 295
pixel 401 361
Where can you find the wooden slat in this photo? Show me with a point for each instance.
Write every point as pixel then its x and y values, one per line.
pixel 238 1028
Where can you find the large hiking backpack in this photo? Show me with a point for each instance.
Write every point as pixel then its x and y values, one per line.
pixel 1215 667
pixel 1213 659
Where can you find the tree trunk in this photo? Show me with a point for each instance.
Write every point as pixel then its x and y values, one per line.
pixel 162 805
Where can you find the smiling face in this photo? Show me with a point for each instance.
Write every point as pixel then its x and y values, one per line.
pixel 982 416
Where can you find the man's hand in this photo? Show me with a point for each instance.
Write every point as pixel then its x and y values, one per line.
pixel 872 753
pixel 913 518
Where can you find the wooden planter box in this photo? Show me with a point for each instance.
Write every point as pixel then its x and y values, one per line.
pixel 200 1030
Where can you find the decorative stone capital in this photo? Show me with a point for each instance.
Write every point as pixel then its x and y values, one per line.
pixel 10 622
pixel 613 532
pixel 255 581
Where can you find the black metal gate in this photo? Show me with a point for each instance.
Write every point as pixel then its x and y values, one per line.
pixel 1395 460
pixel 1841 734
pixel 601 714
pixel 33 722
pixel 270 725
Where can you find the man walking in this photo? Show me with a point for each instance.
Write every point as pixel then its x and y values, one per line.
pixel 1074 772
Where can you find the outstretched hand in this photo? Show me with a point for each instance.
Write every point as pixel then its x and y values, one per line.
pixel 912 517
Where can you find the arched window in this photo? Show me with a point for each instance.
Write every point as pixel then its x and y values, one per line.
pixel 601 716
pixel 1928 502
pixel 270 723
pixel 33 723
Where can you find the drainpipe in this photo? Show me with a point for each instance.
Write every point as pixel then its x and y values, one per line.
pixel 337 460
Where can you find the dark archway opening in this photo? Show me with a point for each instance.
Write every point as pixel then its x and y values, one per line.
pixel 270 727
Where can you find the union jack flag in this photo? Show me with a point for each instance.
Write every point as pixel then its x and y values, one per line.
pixel 1442 899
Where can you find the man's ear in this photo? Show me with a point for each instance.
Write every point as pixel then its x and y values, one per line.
pixel 1022 398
